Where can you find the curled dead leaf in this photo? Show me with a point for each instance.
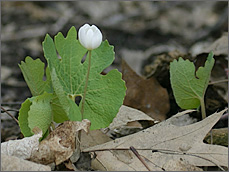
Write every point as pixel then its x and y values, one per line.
pixel 22 148
pixel 20 164
pixel 61 143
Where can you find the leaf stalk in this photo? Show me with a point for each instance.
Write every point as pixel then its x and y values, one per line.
pixel 86 84
pixel 203 111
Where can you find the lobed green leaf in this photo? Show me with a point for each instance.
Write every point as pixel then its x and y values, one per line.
pixel 33 72
pixel 189 89
pixel 104 95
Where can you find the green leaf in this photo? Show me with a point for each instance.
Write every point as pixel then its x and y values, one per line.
pixel 23 118
pixel 189 89
pixel 64 105
pixel 35 111
pixel 105 93
pixel 33 72
pixel 59 115
pixel 40 113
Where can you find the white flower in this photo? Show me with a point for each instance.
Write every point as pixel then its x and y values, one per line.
pixel 90 36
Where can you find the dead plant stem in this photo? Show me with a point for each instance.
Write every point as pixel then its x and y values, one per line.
pixel 217 82
pixel 10 115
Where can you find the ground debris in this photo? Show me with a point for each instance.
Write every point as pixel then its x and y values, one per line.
pixel 12 163
pixel 61 143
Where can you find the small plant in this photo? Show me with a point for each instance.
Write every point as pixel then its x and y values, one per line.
pixel 67 78
pixel 189 87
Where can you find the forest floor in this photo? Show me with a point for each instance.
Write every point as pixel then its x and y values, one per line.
pixel 146 36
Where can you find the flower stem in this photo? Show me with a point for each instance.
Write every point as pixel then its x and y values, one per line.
pixel 85 88
pixel 203 108
pixel 53 126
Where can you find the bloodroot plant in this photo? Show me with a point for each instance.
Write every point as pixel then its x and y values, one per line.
pixel 188 86
pixel 67 78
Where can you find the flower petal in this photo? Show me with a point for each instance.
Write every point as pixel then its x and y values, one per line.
pixel 82 34
pixel 90 36
pixel 97 39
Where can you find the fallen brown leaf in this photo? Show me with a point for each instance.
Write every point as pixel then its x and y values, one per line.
pixel 12 163
pixel 61 143
pixel 145 94
pixel 126 121
pixel 22 148
pixel 171 142
pixel 93 138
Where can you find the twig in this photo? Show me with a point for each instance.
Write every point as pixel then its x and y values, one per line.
pixel 217 82
pixel 139 157
pixel 160 151
pixel 153 163
pixel 10 114
pixel 13 110
pixel 99 150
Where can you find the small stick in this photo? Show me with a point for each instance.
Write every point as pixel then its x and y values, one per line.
pixel 217 82
pixel 139 157
pixel 14 110
pixel 165 151
pixel 10 114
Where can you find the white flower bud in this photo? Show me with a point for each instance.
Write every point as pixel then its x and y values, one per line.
pixel 90 36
